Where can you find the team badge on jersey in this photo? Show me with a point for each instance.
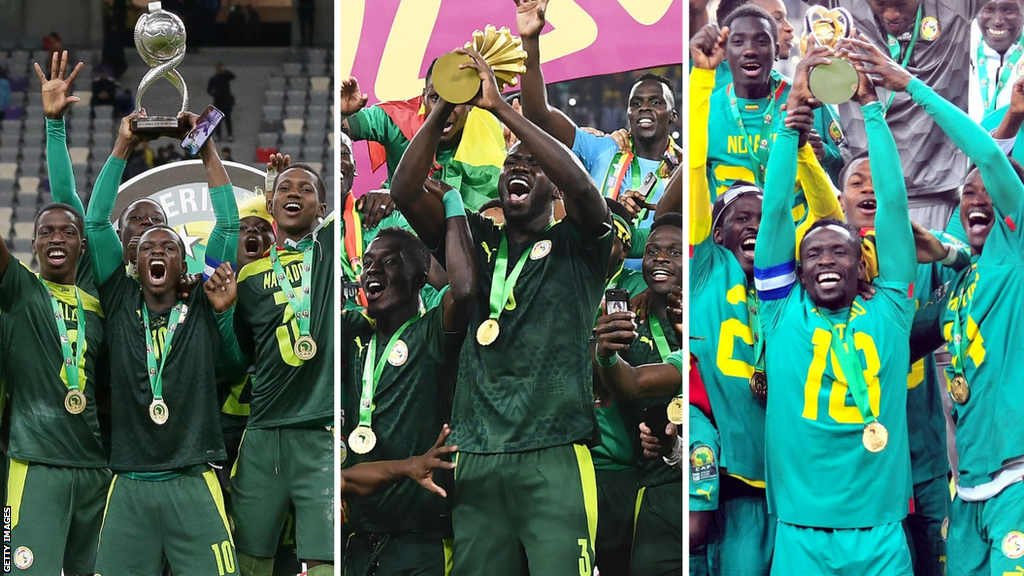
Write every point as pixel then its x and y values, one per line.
pixel 930 29
pixel 944 531
pixel 835 132
pixel 1013 545
pixel 399 354
pixel 540 249
pixel 344 450
pixel 702 464
pixel 23 558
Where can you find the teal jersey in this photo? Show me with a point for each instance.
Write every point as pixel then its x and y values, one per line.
pixel 819 474
pixel 704 470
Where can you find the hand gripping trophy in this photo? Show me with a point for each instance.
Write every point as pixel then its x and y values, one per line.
pixel 160 40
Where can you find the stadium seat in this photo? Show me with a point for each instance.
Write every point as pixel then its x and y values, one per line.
pixel 317 97
pixel 316 55
pixel 24 230
pixel 28 184
pixel 293 125
pixel 266 140
pixel 30 166
pixel 297 96
pixel 316 68
pixel 263 155
pixel 274 126
pixel 294 111
pixel 276 83
pixel 10 126
pixel 8 170
pixel 79 155
pixel 105 111
pixel 316 110
pixel 275 97
pixel 272 112
pixel 9 153
pixel 330 140
pixel 102 122
pixel 6 215
pixel 321 83
pixel 298 82
pixel 318 123
pixel 312 152
pixel 290 142
pixel 292 68
pixel 14 112
pixel 18 84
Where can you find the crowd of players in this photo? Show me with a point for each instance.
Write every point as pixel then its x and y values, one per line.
pixel 853 315
pixel 496 419
pixel 162 423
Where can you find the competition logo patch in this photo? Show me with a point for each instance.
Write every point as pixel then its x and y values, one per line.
pixel 1013 545
pixel 344 450
pixel 23 558
pixel 1020 69
pixel 540 249
pixel 702 464
pixel 930 28
pixel 836 133
pixel 944 531
pixel 399 354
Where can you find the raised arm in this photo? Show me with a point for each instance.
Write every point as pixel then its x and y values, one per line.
pixel 897 256
pixel 56 103
pixel 424 211
pixel 707 50
pixel 530 20
pixel 460 257
pixel 223 243
pixel 105 247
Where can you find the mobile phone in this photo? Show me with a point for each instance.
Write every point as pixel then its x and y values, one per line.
pixel 205 126
pixel 656 418
pixel 616 300
pixel 650 181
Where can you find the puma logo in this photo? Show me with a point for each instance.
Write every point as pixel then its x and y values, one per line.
pixel 489 250
pixel 706 493
pixel 648 341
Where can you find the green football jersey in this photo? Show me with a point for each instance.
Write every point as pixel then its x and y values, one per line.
pixel 533 387
pixel 286 390
pixel 704 481
pixel 234 400
pixel 819 473
pixel 412 401
pixel 42 430
pixel 192 434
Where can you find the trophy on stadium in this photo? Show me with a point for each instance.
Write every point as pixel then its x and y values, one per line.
pixel 501 50
pixel 837 82
pixel 160 40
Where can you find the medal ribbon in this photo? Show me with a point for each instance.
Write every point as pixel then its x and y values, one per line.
pixel 659 339
pixel 501 287
pixel 987 98
pixel 299 303
pixel 755 327
pixel 156 369
pixel 71 361
pixel 894 51
pixel 958 327
pixel 620 162
pixel 849 361
pixel 352 244
pixel 372 370
pixel 758 157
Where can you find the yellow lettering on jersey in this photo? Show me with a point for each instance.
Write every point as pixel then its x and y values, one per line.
pixel 838 408
pixel 292 270
pixel 1018 571
pixel 68 311
pixel 287 332
pixel 737 294
pixel 159 335
pixel 916 374
pixel 730 330
pixel 975 343
pixel 736 145
pixel 725 173
pixel 73 337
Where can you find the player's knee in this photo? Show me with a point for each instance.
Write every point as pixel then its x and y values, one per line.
pixel 251 566
pixel 321 570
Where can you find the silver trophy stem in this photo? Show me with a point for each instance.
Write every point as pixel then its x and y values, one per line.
pixel 162 62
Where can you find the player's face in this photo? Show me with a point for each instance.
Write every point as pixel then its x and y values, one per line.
pixel 160 261
pixel 456 120
pixel 138 217
pixel 777 9
pixel 255 237
pixel 1000 23
pixel 830 266
pixel 751 51
pixel 651 110
pixel 385 278
pixel 296 204
pixel 976 212
pixel 347 169
pixel 663 260
pixel 738 230
pixel 897 16
pixel 57 244
pixel 858 197
pixel 523 188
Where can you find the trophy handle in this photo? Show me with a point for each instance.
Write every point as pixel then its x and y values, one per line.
pixel 173 76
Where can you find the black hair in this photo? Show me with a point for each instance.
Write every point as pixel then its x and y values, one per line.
pixel 181 243
pixel 492 203
pixel 430 71
pixel 752 11
pixel 832 222
pixel 79 220
pixel 414 251
pixel 726 8
pixel 1018 168
pixel 618 209
pixel 668 219
pixel 321 187
pixel 657 78
pixel 121 217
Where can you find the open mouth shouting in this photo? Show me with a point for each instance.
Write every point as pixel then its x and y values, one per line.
pixel 253 246
pixel 374 289
pixel 645 122
pixel 828 280
pixel 868 206
pixel 57 256
pixel 292 207
pixel 979 220
pixel 751 69
pixel 157 271
pixel 519 187
pixel 747 245
pixel 661 275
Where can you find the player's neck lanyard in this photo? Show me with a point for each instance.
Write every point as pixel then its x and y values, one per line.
pixel 959 346
pixel 156 368
pixel 894 51
pixel 987 96
pixel 849 361
pixel 629 161
pixel 755 328
pixel 659 338
pixel 352 244
pixel 372 369
pixel 758 151
pixel 299 302
pixel 72 359
pixel 501 286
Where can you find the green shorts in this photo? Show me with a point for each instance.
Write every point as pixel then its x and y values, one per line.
pixel 616 503
pixel 987 537
pixel 745 536
pixel 878 551
pixel 526 512
pixel 658 532
pixel 278 468
pixel 924 527
pixel 56 514
pixel 418 554
pixel 182 519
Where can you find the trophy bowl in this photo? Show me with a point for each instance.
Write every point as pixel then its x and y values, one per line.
pixel 160 40
pixel 501 51
pixel 837 82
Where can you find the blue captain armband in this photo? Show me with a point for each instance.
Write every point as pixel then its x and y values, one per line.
pixel 210 267
pixel 775 282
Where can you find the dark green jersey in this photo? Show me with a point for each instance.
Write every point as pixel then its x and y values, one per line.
pixel 287 391
pixel 42 431
pixel 532 388
pixel 234 404
pixel 192 433
pixel 412 402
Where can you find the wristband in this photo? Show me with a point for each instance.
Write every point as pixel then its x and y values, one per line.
pixel 607 362
pixel 453 207
pixel 951 254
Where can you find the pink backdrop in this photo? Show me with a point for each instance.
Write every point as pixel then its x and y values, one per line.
pixel 582 38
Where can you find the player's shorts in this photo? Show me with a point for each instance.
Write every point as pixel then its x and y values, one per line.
pixel 616 501
pixel 878 551
pixel 526 512
pixel 278 467
pixel 182 519
pixel 417 554
pixel 56 514
pixel 987 537
pixel 745 535
pixel 658 533
pixel 924 527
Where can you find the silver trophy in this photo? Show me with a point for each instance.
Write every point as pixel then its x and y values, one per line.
pixel 160 40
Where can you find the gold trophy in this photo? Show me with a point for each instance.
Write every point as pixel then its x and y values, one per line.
pixel 837 82
pixel 160 40
pixel 501 51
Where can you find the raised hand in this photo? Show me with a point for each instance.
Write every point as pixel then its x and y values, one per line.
pixel 489 97
pixel 869 59
pixel 437 188
pixel 55 90
pixel 800 93
pixel 352 99
pixel 633 203
pixel 707 47
pixel 375 205
pixel 653 448
pixel 1017 97
pixel 615 332
pixel 530 17
pixel 421 468
pixel 221 289
pixel 511 138
pixel 621 137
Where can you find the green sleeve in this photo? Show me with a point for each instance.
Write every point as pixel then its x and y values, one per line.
pixel 58 166
pixel 638 243
pixel 373 124
pixel 223 244
pixel 897 257
pixel 833 160
pixel 232 362
pixel 777 226
pixel 105 246
pixel 1001 181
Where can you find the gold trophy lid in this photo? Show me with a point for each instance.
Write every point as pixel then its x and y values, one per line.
pixel 501 51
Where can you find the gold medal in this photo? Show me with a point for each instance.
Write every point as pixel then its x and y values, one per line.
pixel 305 348
pixel 362 440
pixel 158 412
pixel 487 333
pixel 759 385
pixel 75 402
pixel 959 389
pixel 875 437
pixel 675 411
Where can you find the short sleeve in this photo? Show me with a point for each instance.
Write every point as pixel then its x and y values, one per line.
pixel 17 285
pixel 588 148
